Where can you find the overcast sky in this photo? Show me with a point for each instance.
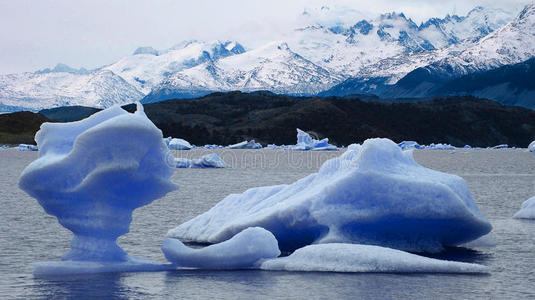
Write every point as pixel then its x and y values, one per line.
pixel 36 34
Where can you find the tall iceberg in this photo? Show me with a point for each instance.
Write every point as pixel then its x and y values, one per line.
pixel 91 175
pixel 372 194
pixel 306 142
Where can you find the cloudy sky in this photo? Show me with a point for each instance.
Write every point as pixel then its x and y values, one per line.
pixel 35 34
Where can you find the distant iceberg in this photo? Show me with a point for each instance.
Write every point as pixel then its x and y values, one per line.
pixel 364 258
pixel 243 251
pixel 212 146
pixel 440 146
pixel 246 145
pixel 207 161
pixel 531 147
pixel 527 211
pixel 407 145
pixel 179 144
pixel 502 146
pixel 91 175
pixel 26 147
pixel 372 194
pixel 306 142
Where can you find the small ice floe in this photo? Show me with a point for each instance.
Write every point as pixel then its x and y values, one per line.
pixel 26 147
pixel 246 145
pixel 207 161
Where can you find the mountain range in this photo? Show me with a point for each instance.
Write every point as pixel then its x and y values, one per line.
pixel 390 56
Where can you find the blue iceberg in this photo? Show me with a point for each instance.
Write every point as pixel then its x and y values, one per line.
pixel 26 147
pixel 179 144
pixel 91 175
pixel 531 147
pixel 372 194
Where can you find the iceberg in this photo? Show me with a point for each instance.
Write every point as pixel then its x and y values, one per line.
pixel 179 144
pixel 440 146
pixel 4 147
pixel 531 147
pixel 212 146
pixel 246 145
pixel 372 194
pixel 305 142
pixel 25 147
pixel 91 175
pixel 364 258
pixel 406 145
pixel 207 161
pixel 502 146
pixel 527 211
pixel 243 251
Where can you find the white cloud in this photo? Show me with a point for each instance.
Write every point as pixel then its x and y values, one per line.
pixel 90 33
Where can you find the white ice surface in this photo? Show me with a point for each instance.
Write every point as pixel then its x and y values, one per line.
pixel 527 211
pixel 207 161
pixel 364 258
pixel 179 144
pixel 246 145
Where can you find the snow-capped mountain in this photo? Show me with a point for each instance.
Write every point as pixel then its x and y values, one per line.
pixel 35 91
pixel 274 67
pixel 513 43
pixel 349 49
pixel 148 67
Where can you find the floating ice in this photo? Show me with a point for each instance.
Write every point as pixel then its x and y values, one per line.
pixel 4 147
pixel 246 145
pixel 25 147
pixel 531 147
pixel 91 174
pixel 440 146
pixel 527 211
pixel 306 142
pixel 213 146
pixel 365 258
pixel 242 251
pixel 179 144
pixel 502 146
pixel 372 194
pixel 406 145
pixel 207 161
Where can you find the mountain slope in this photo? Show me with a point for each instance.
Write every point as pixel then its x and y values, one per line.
pixel 273 67
pixel 148 67
pixel 513 43
pixel 34 91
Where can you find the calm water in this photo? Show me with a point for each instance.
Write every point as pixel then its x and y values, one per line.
pixel 500 181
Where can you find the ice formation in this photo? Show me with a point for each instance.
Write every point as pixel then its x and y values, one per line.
pixel 246 145
pixel 502 146
pixel 207 161
pixel 440 146
pixel 406 145
pixel 531 147
pixel 527 211
pixel 25 147
pixel 364 258
pixel 242 251
pixel 179 144
pixel 91 175
pixel 372 194
pixel 212 146
pixel 306 142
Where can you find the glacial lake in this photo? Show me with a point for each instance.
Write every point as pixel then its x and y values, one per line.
pixel 500 180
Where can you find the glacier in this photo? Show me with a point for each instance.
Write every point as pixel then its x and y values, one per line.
pixel 306 142
pixel 246 145
pixel 372 194
pixel 364 258
pixel 206 161
pixel 91 175
pixel 527 210
pixel 245 250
